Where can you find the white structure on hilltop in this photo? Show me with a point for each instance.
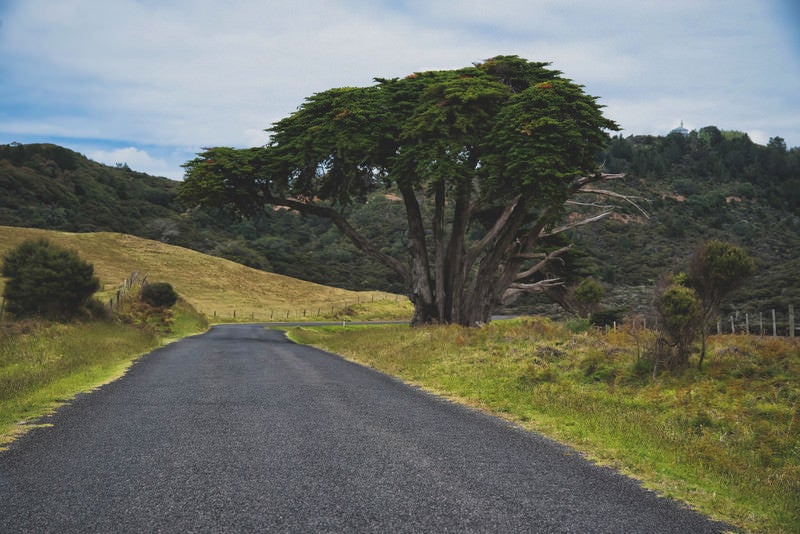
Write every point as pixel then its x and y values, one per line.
pixel 680 130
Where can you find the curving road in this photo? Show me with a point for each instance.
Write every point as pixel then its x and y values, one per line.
pixel 242 430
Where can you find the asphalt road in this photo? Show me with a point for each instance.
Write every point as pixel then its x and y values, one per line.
pixel 240 430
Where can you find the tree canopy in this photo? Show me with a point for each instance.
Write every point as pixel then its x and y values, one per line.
pixel 486 160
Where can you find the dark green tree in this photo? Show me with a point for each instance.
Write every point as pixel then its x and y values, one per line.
pixel 716 270
pixel 484 158
pixel 46 280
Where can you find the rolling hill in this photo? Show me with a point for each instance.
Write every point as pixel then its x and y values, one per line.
pixel 211 285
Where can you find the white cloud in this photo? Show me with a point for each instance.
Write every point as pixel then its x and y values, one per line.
pixel 136 159
pixel 175 73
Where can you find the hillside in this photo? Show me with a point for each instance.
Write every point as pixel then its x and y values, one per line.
pixel 209 284
pixel 708 184
pixel 50 187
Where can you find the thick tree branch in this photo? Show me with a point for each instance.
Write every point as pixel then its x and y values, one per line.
pixel 347 229
pixel 492 234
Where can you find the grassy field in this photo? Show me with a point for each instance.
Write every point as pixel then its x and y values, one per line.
pixel 724 439
pixel 214 286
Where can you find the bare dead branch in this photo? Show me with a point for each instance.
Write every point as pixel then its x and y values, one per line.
pixel 627 198
pixel 576 224
pixel 515 290
pixel 589 204
pixel 553 256
pixel 307 206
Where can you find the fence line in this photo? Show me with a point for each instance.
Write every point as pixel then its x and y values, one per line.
pixel 775 323
pixel 322 310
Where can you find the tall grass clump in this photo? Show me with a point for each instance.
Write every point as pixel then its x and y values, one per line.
pixel 724 439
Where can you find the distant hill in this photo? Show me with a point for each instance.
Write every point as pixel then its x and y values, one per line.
pixel 703 185
pixel 50 187
pixel 209 284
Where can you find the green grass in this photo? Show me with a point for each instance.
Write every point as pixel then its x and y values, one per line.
pixel 724 440
pixel 43 365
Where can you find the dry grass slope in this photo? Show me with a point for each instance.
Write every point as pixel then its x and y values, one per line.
pixel 208 283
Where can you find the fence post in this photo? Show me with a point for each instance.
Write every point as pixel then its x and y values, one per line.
pixel 761 324
pixel 774 326
pixel 733 327
pixel 719 327
pixel 791 320
pixel 747 323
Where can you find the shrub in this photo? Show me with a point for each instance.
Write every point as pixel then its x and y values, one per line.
pixel 680 313
pixel 47 281
pixel 159 295
pixel 587 296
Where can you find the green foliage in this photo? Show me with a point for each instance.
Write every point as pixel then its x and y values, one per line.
pixel 680 312
pixel 587 295
pixel 717 269
pixel 159 295
pixel 47 281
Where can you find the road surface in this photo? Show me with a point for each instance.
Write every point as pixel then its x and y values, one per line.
pixel 240 430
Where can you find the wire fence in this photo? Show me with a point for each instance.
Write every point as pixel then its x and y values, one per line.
pixel 773 322
pixel 332 310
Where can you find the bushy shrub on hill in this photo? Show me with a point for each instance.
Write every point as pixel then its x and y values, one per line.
pixel 45 280
pixel 159 295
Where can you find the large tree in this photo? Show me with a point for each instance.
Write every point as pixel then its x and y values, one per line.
pixel 487 161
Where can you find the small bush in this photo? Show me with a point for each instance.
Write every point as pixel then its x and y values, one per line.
pixel 606 317
pixel 159 295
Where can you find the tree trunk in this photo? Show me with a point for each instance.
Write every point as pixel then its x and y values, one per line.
pixel 421 293
pixel 440 260
pixel 455 267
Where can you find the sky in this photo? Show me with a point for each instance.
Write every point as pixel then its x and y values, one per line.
pixel 149 83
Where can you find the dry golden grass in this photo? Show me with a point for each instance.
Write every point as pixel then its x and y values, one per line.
pixel 211 285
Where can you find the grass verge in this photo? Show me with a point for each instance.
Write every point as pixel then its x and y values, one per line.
pixel 724 440
pixel 43 366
